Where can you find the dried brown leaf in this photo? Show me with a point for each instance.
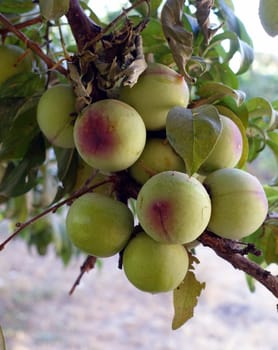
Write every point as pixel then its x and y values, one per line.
pixel 180 40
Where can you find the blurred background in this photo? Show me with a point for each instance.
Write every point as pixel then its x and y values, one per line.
pixel 105 311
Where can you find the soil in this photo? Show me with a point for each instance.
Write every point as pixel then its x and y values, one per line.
pixel 106 312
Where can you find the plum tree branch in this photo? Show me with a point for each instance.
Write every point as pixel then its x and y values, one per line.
pixel 230 251
pixel 32 45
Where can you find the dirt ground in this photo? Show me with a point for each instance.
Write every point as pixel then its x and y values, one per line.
pixel 106 312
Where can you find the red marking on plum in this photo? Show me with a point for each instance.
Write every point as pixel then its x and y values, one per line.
pixel 160 213
pixel 95 134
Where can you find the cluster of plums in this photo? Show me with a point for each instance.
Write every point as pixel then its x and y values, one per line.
pixel 173 209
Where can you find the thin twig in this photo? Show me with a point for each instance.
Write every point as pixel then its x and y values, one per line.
pixel 87 265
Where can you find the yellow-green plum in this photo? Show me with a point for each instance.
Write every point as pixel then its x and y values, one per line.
pixel 173 207
pixel 227 150
pixel 109 135
pixel 158 89
pixel 99 225
pixel 85 173
pixel 153 266
pixel 55 115
pixel 13 61
pixel 157 156
pixel 239 203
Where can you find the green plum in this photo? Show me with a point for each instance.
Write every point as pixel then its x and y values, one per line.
pixel 239 203
pixel 13 61
pixel 227 150
pixel 157 156
pixel 158 89
pixel 173 207
pixel 109 135
pixel 55 115
pixel 153 266
pixel 99 225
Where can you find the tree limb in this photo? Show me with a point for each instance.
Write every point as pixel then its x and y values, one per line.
pixel 230 251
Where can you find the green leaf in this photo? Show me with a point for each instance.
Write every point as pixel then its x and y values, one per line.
pixel 217 91
pixel 22 85
pixel 54 9
pixel 269 16
pixel 193 133
pixel 185 298
pixel 236 45
pixel 16 6
pixel 179 40
pixel 67 162
pixel 261 112
pixel 13 146
pixel 2 340
pixel 143 8
pixel 22 176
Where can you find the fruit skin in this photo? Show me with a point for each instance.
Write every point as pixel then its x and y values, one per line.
pixel 157 156
pixel 55 115
pixel 227 150
pixel 85 172
pixel 109 135
pixel 154 267
pixel 99 225
pixel 12 63
pixel 158 89
pixel 173 207
pixel 239 203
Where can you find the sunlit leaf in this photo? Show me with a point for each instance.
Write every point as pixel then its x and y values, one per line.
pixel 269 16
pixel 54 9
pixel 261 110
pixel 217 91
pixel 185 298
pixel 193 133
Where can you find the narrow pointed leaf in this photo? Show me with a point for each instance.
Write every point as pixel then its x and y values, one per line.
pixel 193 133
pixel 2 340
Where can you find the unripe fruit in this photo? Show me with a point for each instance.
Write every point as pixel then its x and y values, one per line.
pixel 157 90
pixel 239 203
pixel 157 156
pixel 85 172
pixel 99 225
pixel 227 150
pixel 154 267
pixel 55 115
pixel 13 62
pixel 109 135
pixel 173 207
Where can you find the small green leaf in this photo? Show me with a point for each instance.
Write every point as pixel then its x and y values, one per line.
pixel 193 133
pixel 269 16
pixel 217 91
pixel 185 298
pixel 2 340
pixel 261 112
pixel 53 9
